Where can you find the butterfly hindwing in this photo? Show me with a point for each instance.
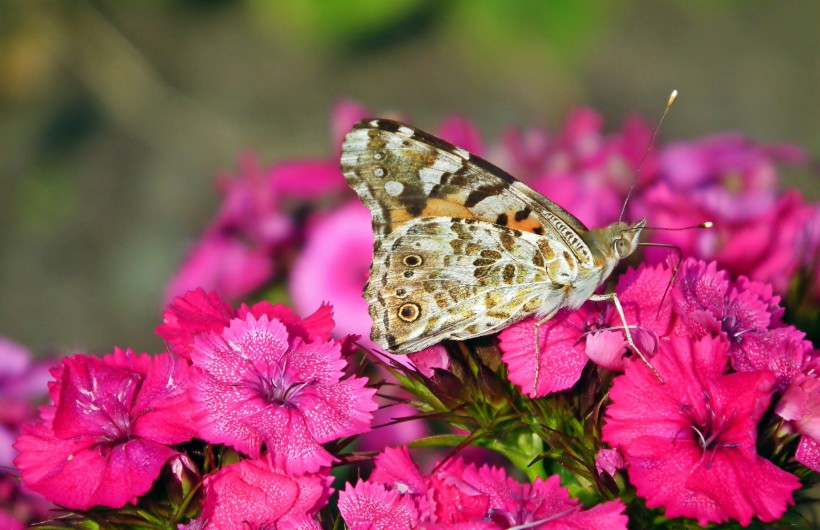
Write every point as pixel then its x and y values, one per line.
pixel 441 278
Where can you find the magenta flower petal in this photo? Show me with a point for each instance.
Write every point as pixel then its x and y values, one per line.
pixel 314 327
pixel 99 444
pixel 430 359
pixel 395 468
pixel 370 506
pixel 86 410
pixel 163 407
pixel 689 444
pixel 189 315
pixel 609 461
pixel 562 357
pixel 249 494
pixel 808 453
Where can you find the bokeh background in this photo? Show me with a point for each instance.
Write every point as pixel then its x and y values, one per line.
pixel 115 116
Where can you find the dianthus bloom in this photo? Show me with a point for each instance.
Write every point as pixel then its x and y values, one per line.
pixel 255 382
pixel 251 494
pixel 107 435
pixel 690 444
pixel 595 331
pixel 458 496
pixel 746 314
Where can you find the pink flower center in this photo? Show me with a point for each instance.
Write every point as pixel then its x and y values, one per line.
pixel 731 324
pixel 709 430
pixel 279 385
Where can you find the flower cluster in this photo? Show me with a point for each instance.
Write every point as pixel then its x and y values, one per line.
pixel 460 495
pixel 694 402
pixel 264 388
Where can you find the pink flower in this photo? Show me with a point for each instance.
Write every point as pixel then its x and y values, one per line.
pixel 609 461
pixel 594 331
pixel 689 444
pixel 197 313
pixel 250 494
pixel 459 496
pixel 107 436
pixel 334 265
pixel 746 313
pixel 800 406
pixel 428 360
pixel 255 382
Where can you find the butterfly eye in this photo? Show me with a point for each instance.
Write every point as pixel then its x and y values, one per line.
pixel 621 247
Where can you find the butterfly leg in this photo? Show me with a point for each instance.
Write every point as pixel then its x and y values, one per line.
pixel 535 328
pixel 613 297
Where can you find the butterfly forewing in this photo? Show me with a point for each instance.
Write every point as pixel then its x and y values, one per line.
pixel 402 173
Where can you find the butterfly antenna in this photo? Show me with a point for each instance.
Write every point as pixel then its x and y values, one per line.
pixel 651 144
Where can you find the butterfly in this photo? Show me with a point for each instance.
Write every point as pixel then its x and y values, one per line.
pixel 463 249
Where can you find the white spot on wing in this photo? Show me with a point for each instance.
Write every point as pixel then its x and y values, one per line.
pixel 405 131
pixel 393 188
pixel 379 172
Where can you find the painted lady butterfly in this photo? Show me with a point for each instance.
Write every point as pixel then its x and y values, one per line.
pixel 463 249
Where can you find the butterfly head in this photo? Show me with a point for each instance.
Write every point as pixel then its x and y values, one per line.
pixel 617 241
pixel 626 238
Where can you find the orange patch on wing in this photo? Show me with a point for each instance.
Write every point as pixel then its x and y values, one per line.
pixel 525 225
pixel 432 208
pixel 445 208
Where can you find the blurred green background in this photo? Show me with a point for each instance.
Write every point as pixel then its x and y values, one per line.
pixel 116 116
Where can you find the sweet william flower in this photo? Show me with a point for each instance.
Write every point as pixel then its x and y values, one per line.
pixel 732 182
pixel 370 506
pixel 107 436
pixel 255 383
pixel 252 494
pixel 746 314
pixel 690 444
pixel 465 496
pixel 594 331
